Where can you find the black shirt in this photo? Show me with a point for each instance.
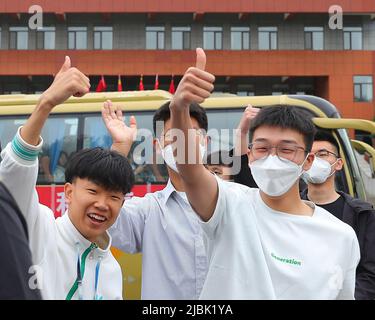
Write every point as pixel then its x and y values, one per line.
pixel 15 255
pixel 336 207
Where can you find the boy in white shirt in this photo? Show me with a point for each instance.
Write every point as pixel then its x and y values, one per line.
pixel 162 225
pixel 71 254
pixel 264 243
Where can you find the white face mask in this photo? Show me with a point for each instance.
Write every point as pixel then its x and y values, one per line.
pixel 167 154
pixel 274 176
pixel 319 172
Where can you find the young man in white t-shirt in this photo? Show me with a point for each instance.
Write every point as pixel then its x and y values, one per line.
pixel 264 243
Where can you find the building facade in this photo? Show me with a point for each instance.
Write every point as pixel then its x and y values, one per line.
pixel 252 47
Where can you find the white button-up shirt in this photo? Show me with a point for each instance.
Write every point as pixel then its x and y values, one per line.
pixel 164 227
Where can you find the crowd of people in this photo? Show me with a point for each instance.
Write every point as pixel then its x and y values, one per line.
pixel 278 229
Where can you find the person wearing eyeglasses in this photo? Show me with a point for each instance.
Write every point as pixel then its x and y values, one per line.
pixel 360 215
pixel 264 243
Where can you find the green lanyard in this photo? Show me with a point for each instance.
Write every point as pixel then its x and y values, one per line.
pixel 80 272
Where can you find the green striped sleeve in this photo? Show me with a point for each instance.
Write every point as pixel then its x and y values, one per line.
pixel 23 150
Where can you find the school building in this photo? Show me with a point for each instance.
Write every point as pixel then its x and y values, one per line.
pixel 253 47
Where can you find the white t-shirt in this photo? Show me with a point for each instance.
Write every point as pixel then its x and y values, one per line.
pixel 255 252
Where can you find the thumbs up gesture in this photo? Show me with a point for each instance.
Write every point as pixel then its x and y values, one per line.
pixel 195 86
pixel 69 81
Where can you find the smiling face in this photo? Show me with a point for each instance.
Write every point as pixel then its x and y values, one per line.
pixel 92 209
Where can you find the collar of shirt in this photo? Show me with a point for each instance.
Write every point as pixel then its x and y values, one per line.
pixel 168 191
pixel 72 236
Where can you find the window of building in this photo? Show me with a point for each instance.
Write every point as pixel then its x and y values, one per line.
pixel 155 37
pixel 363 88
pixel 212 38
pixel 45 38
pixel 0 37
pixel 181 38
pixel 353 38
pixel 245 93
pixel 77 38
pixel 103 38
pixel 18 38
pixel 267 38
pixel 240 38
pixel 314 38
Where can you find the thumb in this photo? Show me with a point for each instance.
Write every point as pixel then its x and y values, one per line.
pixel 201 59
pixel 66 65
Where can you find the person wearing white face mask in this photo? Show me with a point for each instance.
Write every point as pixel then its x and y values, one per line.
pixel 161 225
pixel 267 243
pixel 360 215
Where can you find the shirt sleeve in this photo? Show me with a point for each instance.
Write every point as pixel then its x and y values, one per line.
pixel 210 227
pixel 19 171
pixel 365 281
pixel 348 286
pixel 127 231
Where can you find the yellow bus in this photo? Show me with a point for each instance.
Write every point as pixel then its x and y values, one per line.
pixel 77 124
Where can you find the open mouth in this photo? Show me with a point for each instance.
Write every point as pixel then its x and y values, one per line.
pixel 96 218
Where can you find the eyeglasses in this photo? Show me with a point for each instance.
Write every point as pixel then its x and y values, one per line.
pixel 324 154
pixel 284 151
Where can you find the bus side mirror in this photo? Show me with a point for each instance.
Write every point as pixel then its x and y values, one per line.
pixel 368 152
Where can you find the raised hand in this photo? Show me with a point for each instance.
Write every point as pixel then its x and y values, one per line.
pixel 69 81
pixel 248 115
pixel 242 136
pixel 122 135
pixel 195 86
pixel 115 123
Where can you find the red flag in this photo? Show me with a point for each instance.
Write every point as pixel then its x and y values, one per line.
pixel 156 87
pixel 141 87
pixel 171 86
pixel 102 86
pixel 119 84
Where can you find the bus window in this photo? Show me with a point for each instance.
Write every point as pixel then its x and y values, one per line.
pixel 8 128
pixel 142 155
pixel 364 162
pixel 60 141
pixel 95 134
pixel 365 137
pixel 220 128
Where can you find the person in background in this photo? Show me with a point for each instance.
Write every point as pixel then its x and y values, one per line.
pixel 220 163
pixel 59 174
pixel 360 215
pixel 161 225
pixel 244 175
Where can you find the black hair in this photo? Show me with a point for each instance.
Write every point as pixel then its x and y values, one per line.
pixel 324 135
pixel 64 153
pixel 221 157
pixel 286 117
pixel 195 111
pixel 109 169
